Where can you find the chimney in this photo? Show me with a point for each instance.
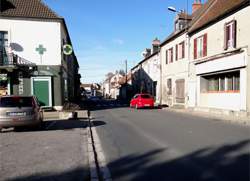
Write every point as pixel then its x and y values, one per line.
pixel 196 5
pixel 156 45
pixel 146 53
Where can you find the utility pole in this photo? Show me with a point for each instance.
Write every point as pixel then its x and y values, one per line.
pixel 126 70
pixel 126 79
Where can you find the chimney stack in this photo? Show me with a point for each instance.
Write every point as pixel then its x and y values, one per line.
pixel 156 45
pixel 196 5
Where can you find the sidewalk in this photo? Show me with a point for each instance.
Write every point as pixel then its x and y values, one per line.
pixel 50 115
pixel 242 120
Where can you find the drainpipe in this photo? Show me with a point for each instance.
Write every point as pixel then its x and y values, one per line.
pixel 160 76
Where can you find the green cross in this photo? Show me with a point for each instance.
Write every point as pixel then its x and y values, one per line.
pixel 67 49
pixel 41 49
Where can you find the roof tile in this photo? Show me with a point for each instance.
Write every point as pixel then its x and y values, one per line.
pixel 27 9
pixel 212 10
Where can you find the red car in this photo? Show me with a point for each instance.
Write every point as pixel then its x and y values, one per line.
pixel 142 101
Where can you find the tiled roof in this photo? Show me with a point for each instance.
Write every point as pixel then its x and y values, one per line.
pixel 185 16
pixel 212 10
pixel 27 9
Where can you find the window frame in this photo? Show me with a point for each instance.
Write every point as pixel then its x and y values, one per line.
pixel 200 50
pixel 219 83
pixel 230 36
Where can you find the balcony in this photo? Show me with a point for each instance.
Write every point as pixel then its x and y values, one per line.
pixel 10 61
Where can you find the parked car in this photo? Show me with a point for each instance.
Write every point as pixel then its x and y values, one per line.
pixel 142 101
pixel 16 111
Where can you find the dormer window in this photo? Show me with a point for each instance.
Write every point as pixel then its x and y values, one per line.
pixel 230 35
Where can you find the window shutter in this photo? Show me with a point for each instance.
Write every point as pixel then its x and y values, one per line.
pixel 205 45
pixel 176 52
pixel 183 49
pixel 234 31
pixel 225 36
pixel 166 56
pixel 172 55
pixel 195 48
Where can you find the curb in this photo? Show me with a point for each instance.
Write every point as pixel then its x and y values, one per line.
pixel 97 162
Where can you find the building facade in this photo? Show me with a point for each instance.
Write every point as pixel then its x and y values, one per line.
pixel 219 54
pixel 146 74
pixel 36 36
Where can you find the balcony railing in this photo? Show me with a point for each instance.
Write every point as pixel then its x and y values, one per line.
pixel 11 59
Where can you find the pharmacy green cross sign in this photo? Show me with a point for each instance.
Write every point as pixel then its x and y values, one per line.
pixel 67 49
pixel 41 49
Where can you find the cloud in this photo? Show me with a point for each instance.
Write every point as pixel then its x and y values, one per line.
pixel 118 41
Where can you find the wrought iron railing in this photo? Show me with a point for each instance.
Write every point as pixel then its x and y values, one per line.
pixel 11 59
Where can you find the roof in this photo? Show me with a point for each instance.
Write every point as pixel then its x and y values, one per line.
pixel 184 15
pixel 213 10
pixel 27 9
pixel 173 36
pixel 145 59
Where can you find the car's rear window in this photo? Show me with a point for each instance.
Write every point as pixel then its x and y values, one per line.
pixel 145 96
pixel 16 102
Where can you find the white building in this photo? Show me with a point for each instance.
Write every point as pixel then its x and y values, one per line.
pixel 36 35
pixel 146 74
pixel 220 55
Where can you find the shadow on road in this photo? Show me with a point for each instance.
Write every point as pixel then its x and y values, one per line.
pixel 77 174
pixel 53 125
pixel 208 164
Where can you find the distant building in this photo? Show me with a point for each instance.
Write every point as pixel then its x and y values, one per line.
pixel 146 74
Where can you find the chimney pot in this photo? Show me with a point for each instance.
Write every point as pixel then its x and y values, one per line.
pixel 196 5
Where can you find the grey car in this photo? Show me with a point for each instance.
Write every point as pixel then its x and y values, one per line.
pixel 16 111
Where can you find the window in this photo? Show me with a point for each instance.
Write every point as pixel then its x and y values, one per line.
pixel 169 87
pixel 200 46
pixel 170 55
pixel 3 38
pixel 225 82
pixel 230 35
pixel 166 56
pixel 181 50
pixel 145 96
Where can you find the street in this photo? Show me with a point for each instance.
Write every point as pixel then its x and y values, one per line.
pixel 155 144
pixel 57 152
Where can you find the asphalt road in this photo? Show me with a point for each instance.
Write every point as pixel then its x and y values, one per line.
pixel 161 145
pixel 58 152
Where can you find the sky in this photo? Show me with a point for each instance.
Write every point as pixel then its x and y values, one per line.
pixel 105 33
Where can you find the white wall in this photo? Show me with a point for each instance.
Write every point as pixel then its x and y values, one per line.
pixel 152 68
pixel 176 70
pixel 29 34
pixel 215 33
pixel 215 47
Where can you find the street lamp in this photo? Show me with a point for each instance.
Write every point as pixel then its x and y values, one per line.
pixel 171 8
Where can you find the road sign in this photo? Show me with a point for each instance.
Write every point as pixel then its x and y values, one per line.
pixel 67 49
